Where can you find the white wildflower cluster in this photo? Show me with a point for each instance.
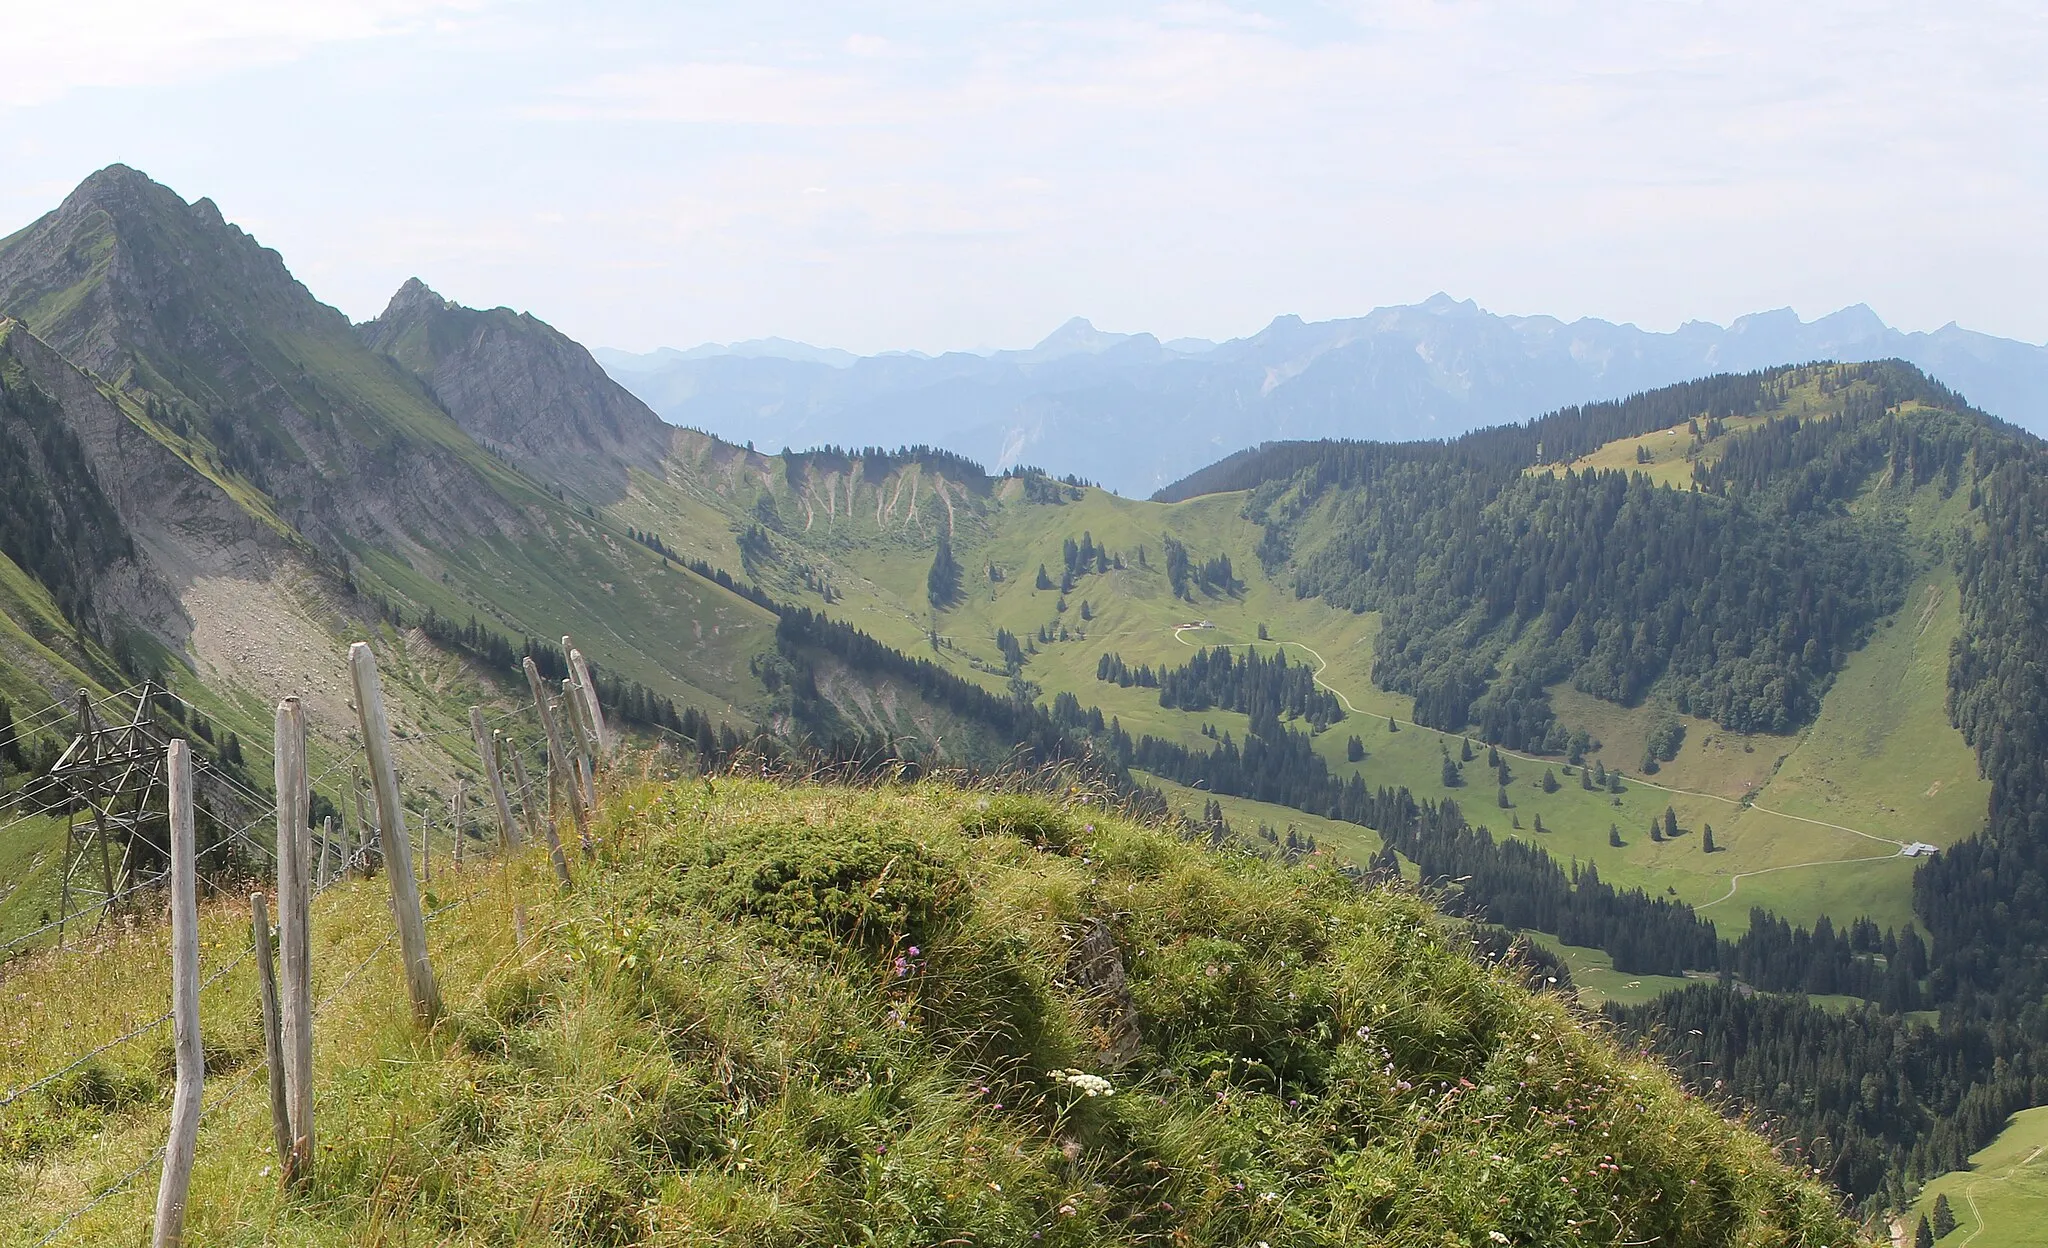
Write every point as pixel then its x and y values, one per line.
pixel 1083 1082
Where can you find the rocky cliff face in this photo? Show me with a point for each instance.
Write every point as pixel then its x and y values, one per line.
pixel 524 390
pixel 191 317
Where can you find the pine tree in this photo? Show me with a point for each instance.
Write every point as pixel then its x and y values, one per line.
pixel 1539 824
pixel 1451 777
pixel 1354 750
pixel 1707 839
pixel 1391 725
pixel 1044 581
pixel 1923 1235
pixel 1492 756
pixel 1500 795
pixel 1465 750
pixel 1656 831
pixel 1944 1217
pixel 1613 836
pixel 1549 780
pixel 1670 823
pixel 1086 612
pixel 1585 780
pixel 942 583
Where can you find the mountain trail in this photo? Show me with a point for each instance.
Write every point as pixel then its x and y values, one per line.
pixel 1970 1194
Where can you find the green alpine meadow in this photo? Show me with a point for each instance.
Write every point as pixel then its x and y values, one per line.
pixel 1620 825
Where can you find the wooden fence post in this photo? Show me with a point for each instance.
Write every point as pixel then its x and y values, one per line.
pixel 593 714
pixel 502 746
pixel 176 1183
pixel 494 775
pixel 564 766
pixel 273 1039
pixel 359 863
pixel 579 732
pixel 460 793
pixel 327 869
pixel 397 846
pixel 294 932
pixel 538 822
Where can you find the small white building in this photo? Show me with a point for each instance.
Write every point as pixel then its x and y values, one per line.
pixel 1919 849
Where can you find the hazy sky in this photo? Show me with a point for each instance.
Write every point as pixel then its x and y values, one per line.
pixel 962 174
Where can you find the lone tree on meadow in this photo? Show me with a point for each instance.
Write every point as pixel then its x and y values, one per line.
pixel 942 583
pixel 1944 1217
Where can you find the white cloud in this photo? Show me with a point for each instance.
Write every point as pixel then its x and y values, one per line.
pixel 647 172
pixel 50 50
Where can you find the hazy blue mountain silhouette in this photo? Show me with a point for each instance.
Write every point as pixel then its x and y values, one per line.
pixel 1135 413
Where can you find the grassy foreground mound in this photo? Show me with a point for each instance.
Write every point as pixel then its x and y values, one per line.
pixel 914 1015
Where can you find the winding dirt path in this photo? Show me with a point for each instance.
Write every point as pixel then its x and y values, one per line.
pixel 1970 1193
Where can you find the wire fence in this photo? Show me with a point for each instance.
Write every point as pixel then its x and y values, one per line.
pixel 241 1082
pixel 45 797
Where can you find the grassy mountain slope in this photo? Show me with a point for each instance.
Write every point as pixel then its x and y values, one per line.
pixel 1878 756
pixel 830 1015
pixel 207 337
pixel 2001 1201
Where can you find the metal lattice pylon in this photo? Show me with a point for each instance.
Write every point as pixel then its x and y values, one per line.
pixel 111 781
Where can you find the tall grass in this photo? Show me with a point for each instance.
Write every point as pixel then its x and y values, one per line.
pixel 782 1012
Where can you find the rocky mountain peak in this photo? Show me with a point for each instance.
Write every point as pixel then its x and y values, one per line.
pixel 519 386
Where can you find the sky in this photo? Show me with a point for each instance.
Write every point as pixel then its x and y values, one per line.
pixel 961 175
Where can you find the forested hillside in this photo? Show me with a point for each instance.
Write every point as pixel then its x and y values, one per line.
pixel 1380 659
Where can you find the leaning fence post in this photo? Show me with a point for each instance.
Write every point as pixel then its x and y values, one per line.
pixel 191 1056
pixel 579 728
pixel 564 765
pixel 534 818
pixel 294 932
pixel 593 714
pixel 273 1040
pixel 397 846
pixel 487 754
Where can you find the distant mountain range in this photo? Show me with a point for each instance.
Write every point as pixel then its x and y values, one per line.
pixel 1135 413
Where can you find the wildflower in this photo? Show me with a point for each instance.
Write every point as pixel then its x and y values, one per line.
pixel 1086 1084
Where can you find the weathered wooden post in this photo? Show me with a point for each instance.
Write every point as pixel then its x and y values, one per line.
pixel 456 821
pixel 494 775
pixel 503 747
pixel 273 1039
pixel 360 864
pixel 541 823
pixel 328 870
pixel 579 735
pixel 563 765
pixel 593 714
pixel 176 1183
pixel 295 932
pixel 397 846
